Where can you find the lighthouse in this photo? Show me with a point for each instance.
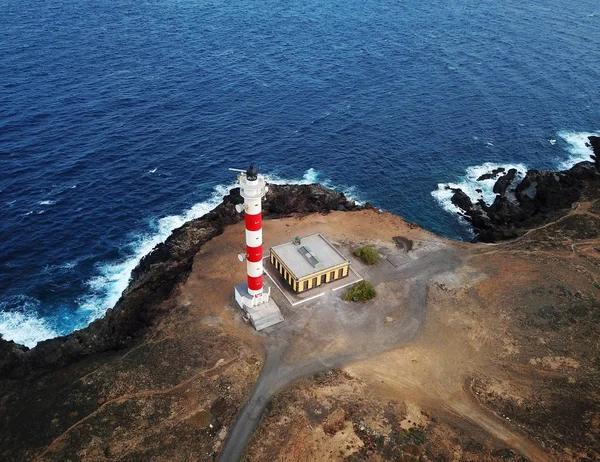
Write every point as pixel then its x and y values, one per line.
pixel 254 297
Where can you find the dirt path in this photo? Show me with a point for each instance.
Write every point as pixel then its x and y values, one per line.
pixel 494 426
pixel 337 342
pixel 328 333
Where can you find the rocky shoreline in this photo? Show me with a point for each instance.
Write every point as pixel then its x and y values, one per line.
pixel 519 206
pixel 507 351
pixel 156 276
pixel 539 197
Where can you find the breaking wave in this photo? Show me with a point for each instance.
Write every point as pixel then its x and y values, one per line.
pixel 577 146
pixel 104 290
pixel 575 143
pixel 476 189
pixel 24 325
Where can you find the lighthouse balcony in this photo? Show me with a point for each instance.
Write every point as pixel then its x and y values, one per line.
pixel 253 192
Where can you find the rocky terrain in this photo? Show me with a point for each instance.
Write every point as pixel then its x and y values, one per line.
pixel 470 351
pixel 158 354
pixel 154 279
pixel 504 368
pixel 523 204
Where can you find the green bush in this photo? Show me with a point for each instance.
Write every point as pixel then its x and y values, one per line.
pixel 360 292
pixel 367 254
pixel 320 377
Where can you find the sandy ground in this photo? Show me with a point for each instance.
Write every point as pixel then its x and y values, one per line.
pixel 504 367
pixel 469 352
pixel 329 332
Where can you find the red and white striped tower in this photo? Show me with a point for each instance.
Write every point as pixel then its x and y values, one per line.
pixel 252 188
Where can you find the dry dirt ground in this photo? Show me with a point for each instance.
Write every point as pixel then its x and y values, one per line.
pixel 171 397
pixel 174 395
pixel 470 352
pixel 506 366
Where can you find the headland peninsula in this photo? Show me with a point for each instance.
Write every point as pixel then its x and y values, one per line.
pixel 470 351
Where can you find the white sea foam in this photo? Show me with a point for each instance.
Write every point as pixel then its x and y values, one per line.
pixel 310 176
pixel 24 326
pixel 46 202
pixel 469 184
pixel 577 146
pixel 26 329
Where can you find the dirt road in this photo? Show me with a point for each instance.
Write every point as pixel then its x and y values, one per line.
pixel 329 333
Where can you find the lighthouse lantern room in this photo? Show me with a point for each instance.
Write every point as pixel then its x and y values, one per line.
pixel 254 297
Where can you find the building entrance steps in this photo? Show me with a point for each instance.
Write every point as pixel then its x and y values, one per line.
pixel 262 315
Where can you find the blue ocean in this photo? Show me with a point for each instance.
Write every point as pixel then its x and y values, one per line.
pixel 119 119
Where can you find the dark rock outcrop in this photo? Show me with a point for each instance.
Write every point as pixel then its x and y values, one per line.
pixel 538 198
pixel 10 354
pixel 505 181
pixel 595 145
pixel 462 200
pixel 493 174
pixel 155 277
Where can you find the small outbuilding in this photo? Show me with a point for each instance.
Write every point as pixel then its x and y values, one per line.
pixel 308 262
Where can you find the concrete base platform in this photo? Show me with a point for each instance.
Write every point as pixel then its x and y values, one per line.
pixel 262 315
pixel 265 315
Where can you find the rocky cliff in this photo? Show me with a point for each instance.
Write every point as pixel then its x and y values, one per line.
pixel 519 206
pixel 537 198
pixel 155 277
pixel 504 366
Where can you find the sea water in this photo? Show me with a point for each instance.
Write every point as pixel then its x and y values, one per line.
pixel 119 119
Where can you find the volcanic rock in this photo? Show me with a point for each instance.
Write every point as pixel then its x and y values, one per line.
pixel 461 200
pixel 505 181
pixel 538 198
pixel 491 175
pixel 157 274
pixel 10 354
pixel 595 145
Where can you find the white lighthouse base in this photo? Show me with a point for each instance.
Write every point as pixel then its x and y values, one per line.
pixel 262 311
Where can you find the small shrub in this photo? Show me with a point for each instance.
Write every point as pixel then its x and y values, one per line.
pixel 320 377
pixel 360 292
pixel 367 254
